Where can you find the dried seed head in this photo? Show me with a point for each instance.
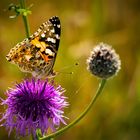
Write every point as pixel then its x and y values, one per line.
pixel 103 61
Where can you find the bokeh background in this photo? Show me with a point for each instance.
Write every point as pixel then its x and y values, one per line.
pixel 85 23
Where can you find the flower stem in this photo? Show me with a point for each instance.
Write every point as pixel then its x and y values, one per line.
pixel 99 90
pixel 35 137
pixel 25 19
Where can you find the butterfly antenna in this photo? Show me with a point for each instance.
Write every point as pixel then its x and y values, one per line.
pixel 65 68
pixel 70 66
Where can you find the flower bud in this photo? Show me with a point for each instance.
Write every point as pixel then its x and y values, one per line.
pixel 103 62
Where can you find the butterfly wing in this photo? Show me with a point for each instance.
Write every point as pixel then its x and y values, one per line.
pixel 47 39
pixel 37 54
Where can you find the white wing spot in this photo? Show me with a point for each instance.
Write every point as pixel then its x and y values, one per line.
pixel 53 30
pixel 49 52
pixel 27 57
pixel 43 35
pixel 58 26
pixel 39 30
pixel 51 40
pixel 36 33
pixel 57 36
pixel 44 25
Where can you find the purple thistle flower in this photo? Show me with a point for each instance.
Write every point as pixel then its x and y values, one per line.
pixel 34 104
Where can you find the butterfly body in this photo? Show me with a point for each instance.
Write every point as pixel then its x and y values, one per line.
pixel 37 53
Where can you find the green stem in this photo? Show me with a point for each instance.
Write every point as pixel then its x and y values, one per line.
pixel 35 137
pixel 25 19
pixel 99 90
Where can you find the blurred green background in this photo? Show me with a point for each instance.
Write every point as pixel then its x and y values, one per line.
pixel 116 114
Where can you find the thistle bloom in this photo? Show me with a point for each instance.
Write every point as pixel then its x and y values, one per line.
pixel 103 62
pixel 34 104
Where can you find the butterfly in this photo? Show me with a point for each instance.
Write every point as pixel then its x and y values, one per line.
pixel 37 54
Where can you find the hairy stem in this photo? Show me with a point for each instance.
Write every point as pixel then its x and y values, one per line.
pixel 99 90
pixel 25 19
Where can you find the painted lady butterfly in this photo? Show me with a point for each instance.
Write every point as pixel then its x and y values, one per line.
pixel 37 54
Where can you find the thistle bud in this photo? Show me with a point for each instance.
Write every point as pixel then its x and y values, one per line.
pixel 103 62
